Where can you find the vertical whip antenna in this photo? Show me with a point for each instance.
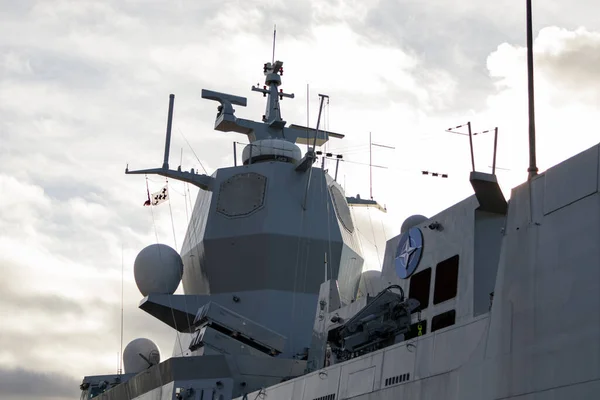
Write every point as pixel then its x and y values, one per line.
pixel 314 145
pixel 533 170
pixel 307 116
pixel 370 167
pixel 274 35
pixel 371 144
pixel 121 350
pixel 169 124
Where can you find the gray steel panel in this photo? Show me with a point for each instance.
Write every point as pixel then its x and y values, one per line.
pixel 268 366
pixel 341 208
pixel 241 194
pixel 361 375
pixel 547 295
pixel 571 180
pixel 322 383
pixel 488 235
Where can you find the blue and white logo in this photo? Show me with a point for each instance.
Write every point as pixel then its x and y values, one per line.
pixel 408 252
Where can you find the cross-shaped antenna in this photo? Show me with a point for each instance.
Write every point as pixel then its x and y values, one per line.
pixel 371 144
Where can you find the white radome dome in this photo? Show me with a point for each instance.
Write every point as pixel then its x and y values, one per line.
pixel 133 362
pixel 412 221
pixel 158 269
pixel 370 284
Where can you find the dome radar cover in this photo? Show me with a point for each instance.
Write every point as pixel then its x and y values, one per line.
pixel 158 269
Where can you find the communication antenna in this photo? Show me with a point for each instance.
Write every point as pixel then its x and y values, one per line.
pixel 307 116
pixel 468 125
pixel 533 170
pixel 495 130
pixel 120 370
pixel 371 144
pixel 314 145
pixel 471 134
pixel 274 35
pixel 323 97
pixel 338 158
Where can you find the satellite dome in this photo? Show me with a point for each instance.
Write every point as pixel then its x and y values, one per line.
pixel 370 284
pixel 157 269
pixel 271 149
pixel 139 355
pixel 411 221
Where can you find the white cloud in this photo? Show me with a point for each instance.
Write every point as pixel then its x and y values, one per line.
pixel 566 94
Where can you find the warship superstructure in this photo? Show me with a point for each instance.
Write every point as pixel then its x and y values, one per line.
pixel 489 299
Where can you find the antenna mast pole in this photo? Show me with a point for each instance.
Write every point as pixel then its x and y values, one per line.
pixel 533 170
pixel 168 139
pixel 495 150
pixel 307 116
pixel 314 145
pixel 322 96
pixel 471 146
pixel 121 351
pixel 274 34
pixel 371 144
pixel 370 167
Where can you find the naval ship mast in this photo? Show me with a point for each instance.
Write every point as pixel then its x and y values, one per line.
pixel 271 127
pixel 257 242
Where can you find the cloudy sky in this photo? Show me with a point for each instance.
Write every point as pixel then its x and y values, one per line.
pixel 84 90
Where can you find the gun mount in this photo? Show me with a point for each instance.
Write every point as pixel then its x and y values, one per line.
pixel 381 323
pixel 364 326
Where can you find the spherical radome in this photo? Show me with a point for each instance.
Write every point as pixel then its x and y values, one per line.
pixel 139 355
pixel 411 221
pixel 157 269
pixel 370 283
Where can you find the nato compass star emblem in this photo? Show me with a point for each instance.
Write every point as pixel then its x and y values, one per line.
pixel 408 252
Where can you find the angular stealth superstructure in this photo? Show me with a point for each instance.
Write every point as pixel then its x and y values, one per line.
pixel 486 300
pixel 262 238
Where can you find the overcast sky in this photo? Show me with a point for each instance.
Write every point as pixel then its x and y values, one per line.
pixel 84 90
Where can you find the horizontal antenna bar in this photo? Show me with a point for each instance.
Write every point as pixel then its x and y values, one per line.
pixel 382 145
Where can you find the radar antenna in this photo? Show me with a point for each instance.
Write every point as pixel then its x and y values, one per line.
pixel 272 125
pixel 273 72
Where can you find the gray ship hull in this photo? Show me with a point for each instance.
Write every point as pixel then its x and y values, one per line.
pixel 541 338
pixel 486 300
pixel 537 340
